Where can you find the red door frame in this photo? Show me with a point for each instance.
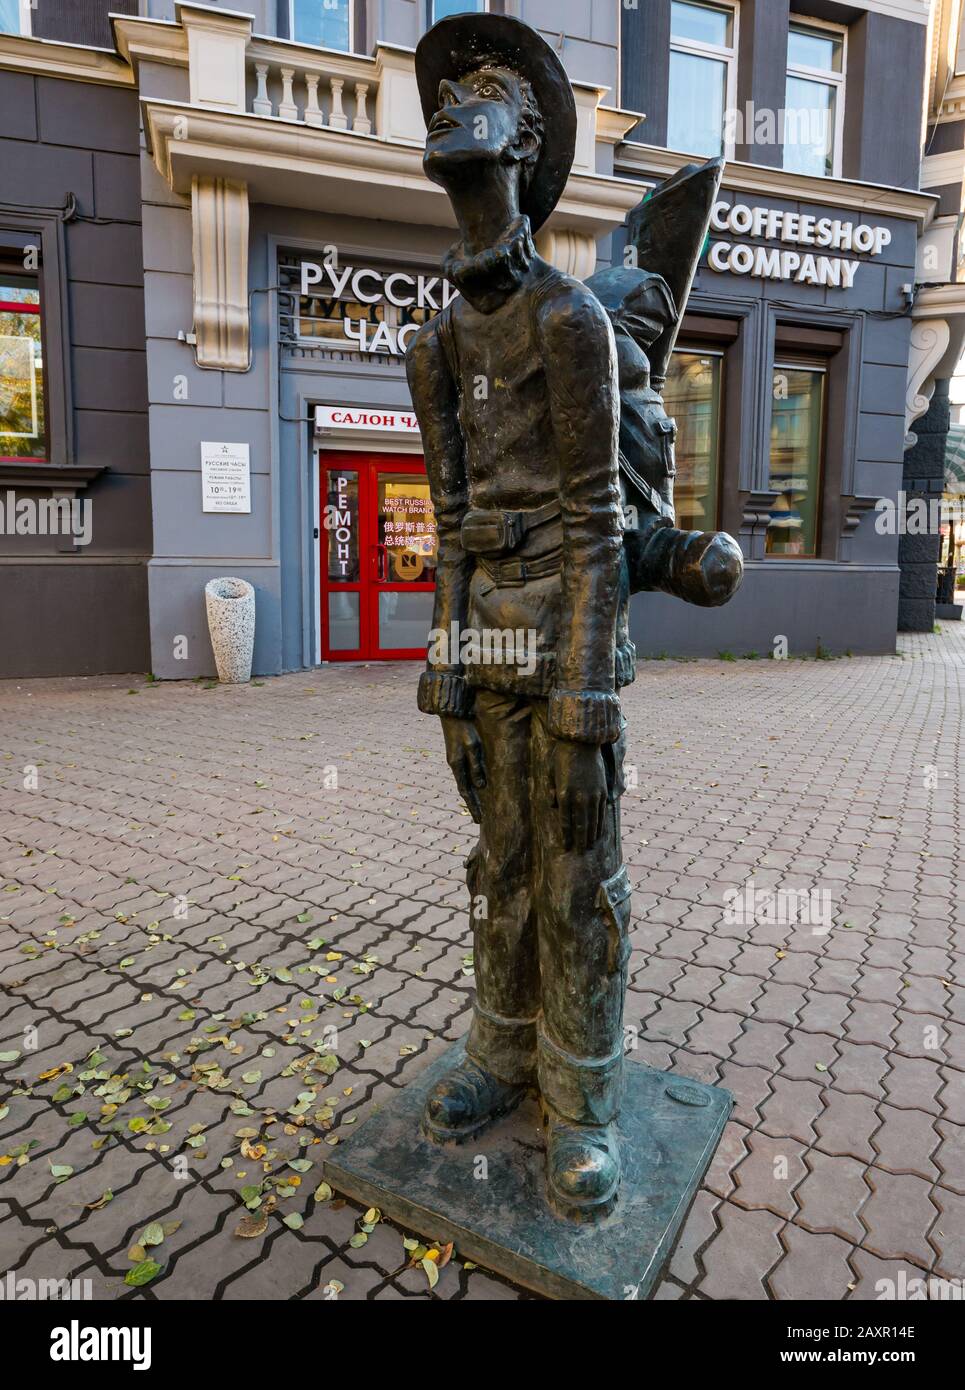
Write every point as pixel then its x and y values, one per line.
pixel 369 583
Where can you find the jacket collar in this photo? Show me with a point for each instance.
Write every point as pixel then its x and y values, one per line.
pixel 488 280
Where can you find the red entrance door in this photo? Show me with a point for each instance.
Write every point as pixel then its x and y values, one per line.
pixel 378 556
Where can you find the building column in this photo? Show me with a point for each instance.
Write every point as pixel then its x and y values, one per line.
pixel 645 66
pixel 761 75
pixel 219 222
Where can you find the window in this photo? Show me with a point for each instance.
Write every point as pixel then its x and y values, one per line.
pixel 23 422
pixel 703 66
pixel 14 16
pixel 441 9
pixel 814 100
pixel 324 23
pixel 797 447
pixel 692 398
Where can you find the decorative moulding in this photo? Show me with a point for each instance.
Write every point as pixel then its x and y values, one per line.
pixel 929 342
pixel 49 59
pixel 219 219
pixel 297 165
pixel 655 162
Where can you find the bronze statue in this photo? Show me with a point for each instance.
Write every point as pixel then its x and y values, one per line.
pixel 517 387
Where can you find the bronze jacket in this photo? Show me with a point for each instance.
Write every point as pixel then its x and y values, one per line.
pixel 519 412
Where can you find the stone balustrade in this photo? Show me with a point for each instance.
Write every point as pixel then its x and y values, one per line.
pixel 312 93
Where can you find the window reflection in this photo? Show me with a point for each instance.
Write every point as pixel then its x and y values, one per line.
pixel 407 529
pixel 701 62
pixel 797 427
pixel 22 421
pixel 325 23
pixel 692 397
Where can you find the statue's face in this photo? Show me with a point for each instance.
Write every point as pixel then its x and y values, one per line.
pixel 478 119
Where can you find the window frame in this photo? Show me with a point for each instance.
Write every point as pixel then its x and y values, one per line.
pixel 827 78
pixel 728 56
pixel 46 231
pixel 788 361
pixel 352 20
pixel 37 310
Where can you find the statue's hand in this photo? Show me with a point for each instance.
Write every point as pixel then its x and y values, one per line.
pixel 464 754
pixel 579 790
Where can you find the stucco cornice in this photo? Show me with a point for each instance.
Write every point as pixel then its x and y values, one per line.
pixel 294 165
pixel 48 59
pixel 653 162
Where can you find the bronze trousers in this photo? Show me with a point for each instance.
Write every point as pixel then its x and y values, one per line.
pixel 550 925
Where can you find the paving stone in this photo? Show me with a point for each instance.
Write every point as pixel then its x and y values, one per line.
pixel 888 1280
pixel 740 1256
pixel 698 1229
pixel 948 1234
pixel 846 1125
pixel 792 1109
pixel 832 1195
pixel 768 1177
pixel 950 1155
pixel 898 1215
pixel 814 1268
pixel 906 1142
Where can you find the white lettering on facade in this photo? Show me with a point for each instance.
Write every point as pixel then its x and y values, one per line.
pixel 798 229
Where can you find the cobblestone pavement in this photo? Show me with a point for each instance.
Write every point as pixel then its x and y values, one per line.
pixel 188 903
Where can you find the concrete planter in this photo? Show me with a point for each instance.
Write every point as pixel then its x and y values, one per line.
pixel 231 623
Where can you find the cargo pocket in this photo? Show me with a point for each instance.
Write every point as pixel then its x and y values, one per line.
pixel 613 758
pixel 667 433
pixel 614 901
pixel 472 867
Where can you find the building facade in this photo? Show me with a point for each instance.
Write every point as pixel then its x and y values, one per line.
pixel 289 245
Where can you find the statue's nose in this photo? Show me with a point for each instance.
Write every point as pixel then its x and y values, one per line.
pixel 448 94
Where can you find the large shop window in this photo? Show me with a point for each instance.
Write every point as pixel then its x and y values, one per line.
pixel 692 396
pixel 814 100
pixel 23 415
pixel 796 457
pixel 703 68
pixel 324 23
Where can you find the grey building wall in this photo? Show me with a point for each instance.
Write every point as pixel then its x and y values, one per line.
pixel 923 480
pixel 846 598
pixel 187 404
pixel 66 610
pixel 77 21
pixel 882 128
pixel 885 66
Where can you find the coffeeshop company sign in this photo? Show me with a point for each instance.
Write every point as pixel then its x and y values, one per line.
pixel 381 310
pixel 813 250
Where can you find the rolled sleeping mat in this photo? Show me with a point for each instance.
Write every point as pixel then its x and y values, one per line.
pixel 700 567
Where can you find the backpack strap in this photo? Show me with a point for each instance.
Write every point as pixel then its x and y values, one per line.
pixel 447 338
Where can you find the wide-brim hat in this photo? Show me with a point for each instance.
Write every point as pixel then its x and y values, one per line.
pixel 463 42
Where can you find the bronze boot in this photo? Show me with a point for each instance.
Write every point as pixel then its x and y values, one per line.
pixel 582 1168
pixel 463 1103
